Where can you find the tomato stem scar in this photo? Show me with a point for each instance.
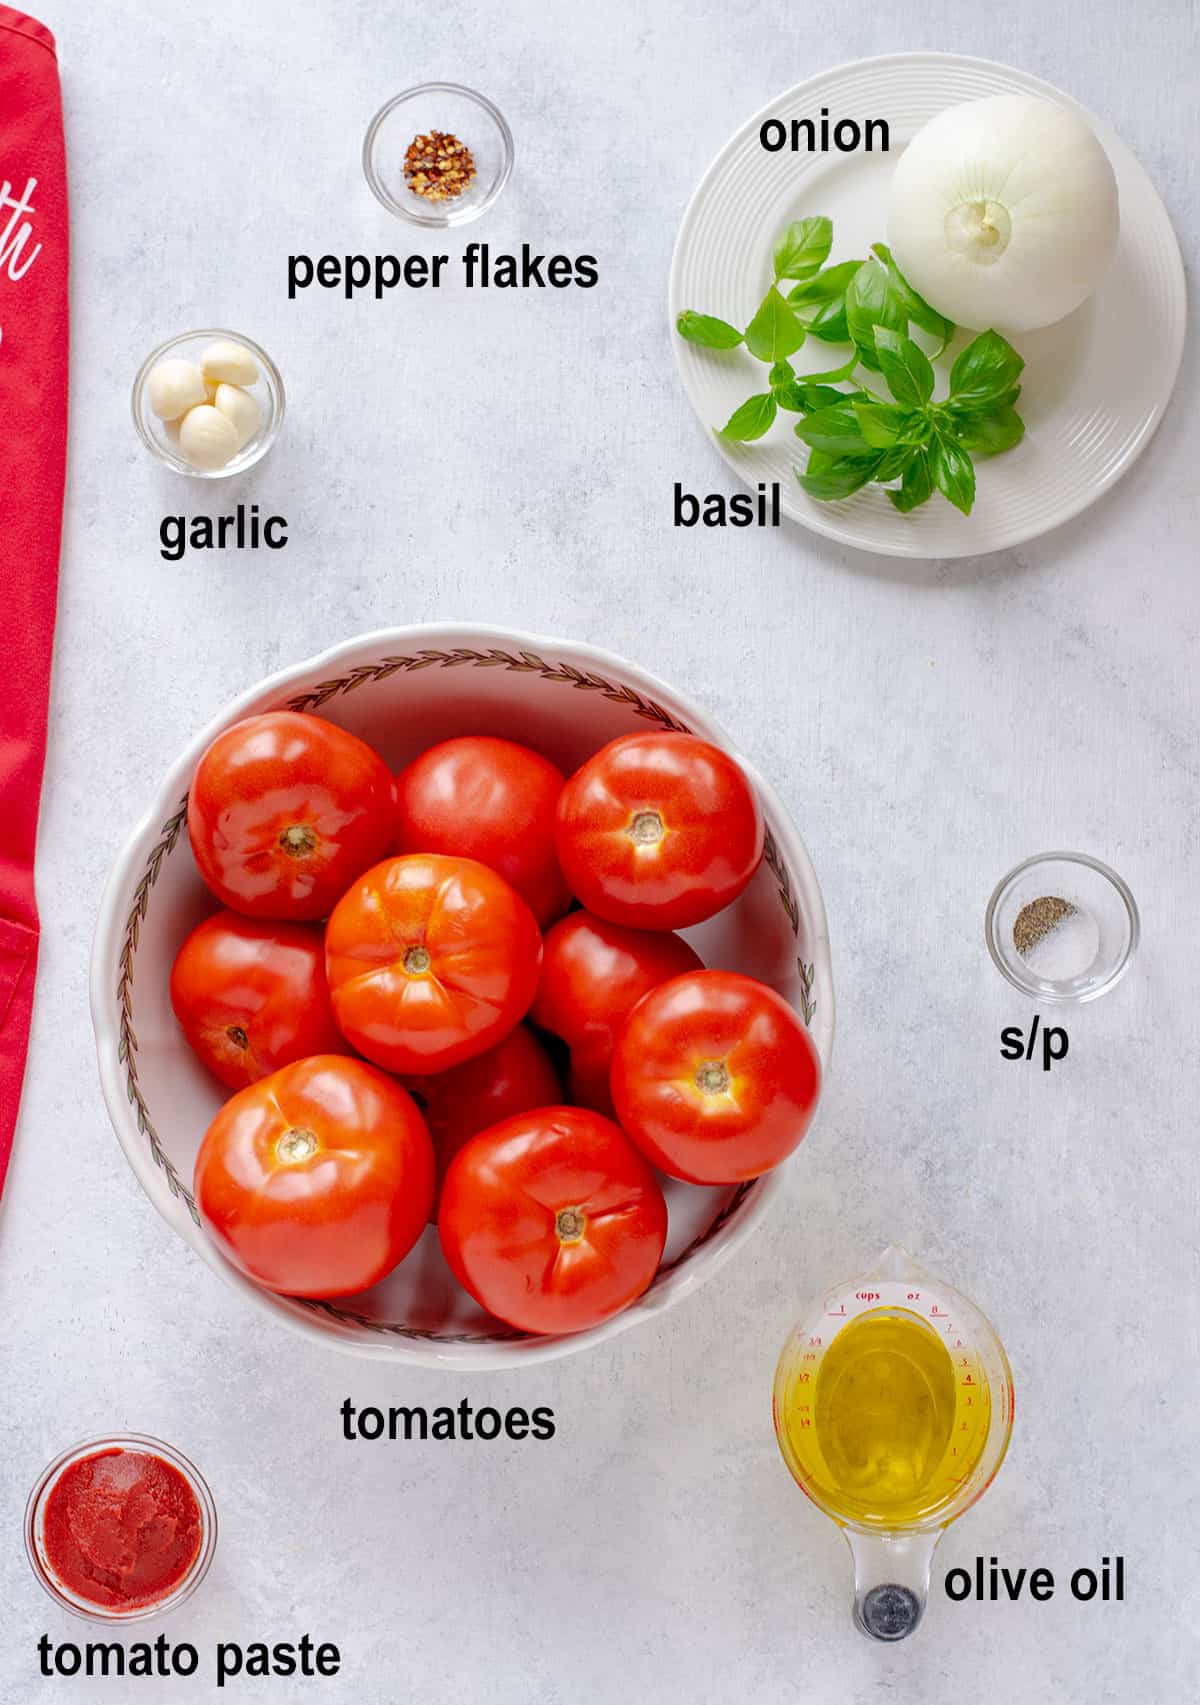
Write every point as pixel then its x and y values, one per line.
pixel 238 1036
pixel 712 1077
pixel 570 1225
pixel 417 961
pixel 298 840
pixel 646 829
pixel 296 1144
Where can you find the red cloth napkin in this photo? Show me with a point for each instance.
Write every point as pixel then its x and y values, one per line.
pixel 33 410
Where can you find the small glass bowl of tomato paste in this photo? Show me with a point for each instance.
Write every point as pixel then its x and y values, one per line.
pixel 121 1528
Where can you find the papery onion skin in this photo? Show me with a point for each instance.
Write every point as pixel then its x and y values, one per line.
pixel 1003 213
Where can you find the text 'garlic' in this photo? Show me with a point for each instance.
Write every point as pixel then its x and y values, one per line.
pixel 1003 213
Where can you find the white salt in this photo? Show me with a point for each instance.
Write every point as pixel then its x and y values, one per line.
pixel 1068 951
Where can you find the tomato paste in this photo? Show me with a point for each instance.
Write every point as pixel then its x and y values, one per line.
pixel 121 1528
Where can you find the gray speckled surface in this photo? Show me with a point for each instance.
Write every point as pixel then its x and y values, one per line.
pixel 929 726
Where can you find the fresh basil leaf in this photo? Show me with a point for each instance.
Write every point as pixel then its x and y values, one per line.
pixel 883 424
pixel 803 247
pixel 986 368
pixel 785 388
pixel 1006 399
pixel 774 333
pixel 905 366
pixel 829 283
pixel 805 398
pixel 791 397
pixel 830 324
pixel 988 432
pixel 954 473
pixel 826 396
pixel 870 302
pixel 704 329
pixel 895 461
pixel 755 417
pixel 834 429
pixel 840 478
pixel 917 485
pixel 915 307
pixel 834 375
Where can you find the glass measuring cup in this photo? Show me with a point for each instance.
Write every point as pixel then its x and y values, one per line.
pixel 893 1408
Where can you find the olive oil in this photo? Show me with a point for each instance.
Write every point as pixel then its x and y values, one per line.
pixel 885 1421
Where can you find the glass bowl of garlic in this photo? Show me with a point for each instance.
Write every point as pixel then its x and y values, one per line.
pixel 208 403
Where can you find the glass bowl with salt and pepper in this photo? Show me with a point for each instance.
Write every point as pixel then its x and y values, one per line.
pixel 1062 927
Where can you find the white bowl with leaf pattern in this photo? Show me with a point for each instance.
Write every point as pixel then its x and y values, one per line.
pixel 401 690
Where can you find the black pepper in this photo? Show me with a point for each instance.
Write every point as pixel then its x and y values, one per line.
pixel 1037 919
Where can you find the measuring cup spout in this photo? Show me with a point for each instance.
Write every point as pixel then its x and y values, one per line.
pixel 891 1580
pixel 897 1264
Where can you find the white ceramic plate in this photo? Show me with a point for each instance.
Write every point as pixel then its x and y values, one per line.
pixel 1095 385
pixel 401 690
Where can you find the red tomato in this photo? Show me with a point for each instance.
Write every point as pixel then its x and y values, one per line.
pixel 512 1077
pixel 552 1220
pixel 715 1078
pixel 593 975
pixel 658 831
pixel 492 800
pixel 285 811
pixel 430 960
pixel 317 1180
pixel 251 996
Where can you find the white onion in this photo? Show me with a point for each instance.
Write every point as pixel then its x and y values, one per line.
pixel 1003 213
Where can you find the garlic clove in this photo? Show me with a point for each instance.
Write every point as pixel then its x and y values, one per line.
pixel 229 363
pixel 173 387
pixel 239 407
pixel 207 437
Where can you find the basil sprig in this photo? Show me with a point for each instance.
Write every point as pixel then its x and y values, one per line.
pixel 906 441
pixel 923 444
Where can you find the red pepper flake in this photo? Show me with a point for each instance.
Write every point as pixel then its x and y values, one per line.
pixel 438 166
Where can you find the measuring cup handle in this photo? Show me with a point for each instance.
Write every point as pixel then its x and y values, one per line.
pixel 891 1580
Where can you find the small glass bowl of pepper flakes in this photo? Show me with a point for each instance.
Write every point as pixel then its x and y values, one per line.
pixel 1062 927
pixel 438 154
